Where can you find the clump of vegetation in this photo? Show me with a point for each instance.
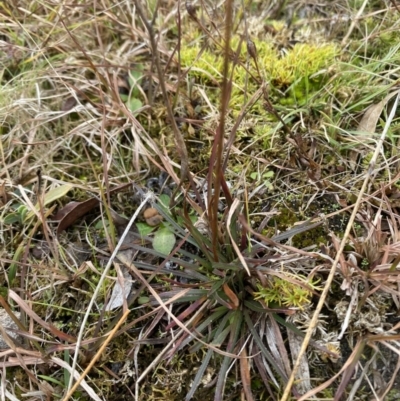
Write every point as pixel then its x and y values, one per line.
pixel 293 77
pixel 283 291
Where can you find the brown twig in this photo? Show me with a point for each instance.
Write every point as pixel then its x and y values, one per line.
pixel 180 142
pixel 219 137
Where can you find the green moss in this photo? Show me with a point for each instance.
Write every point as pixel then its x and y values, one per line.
pixel 299 72
pixel 292 212
pixel 312 237
pixel 366 160
pixel 205 65
pixel 393 395
pixel 284 292
pixel 302 61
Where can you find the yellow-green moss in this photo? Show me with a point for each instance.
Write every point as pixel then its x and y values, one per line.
pixel 296 69
pixel 284 292
pixel 205 65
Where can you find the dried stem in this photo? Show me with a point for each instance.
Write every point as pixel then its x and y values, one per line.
pixel 180 142
pixel 314 320
pixel 219 137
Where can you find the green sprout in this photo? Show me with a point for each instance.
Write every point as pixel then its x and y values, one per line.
pixel 132 100
pixel 265 178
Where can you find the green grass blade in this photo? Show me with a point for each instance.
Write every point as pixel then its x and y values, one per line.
pixel 235 329
pixel 206 360
pixel 262 347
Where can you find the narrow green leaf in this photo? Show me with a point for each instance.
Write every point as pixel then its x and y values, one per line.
pixel 67 374
pixel 218 313
pixel 217 284
pixel 51 196
pixel 192 295
pixel 202 242
pixel 51 380
pixel 288 325
pixel 254 306
pixel 164 211
pixel 235 329
pixel 12 218
pixel 220 337
pixel 206 361
pixel 234 266
pixel 12 272
pixel 262 347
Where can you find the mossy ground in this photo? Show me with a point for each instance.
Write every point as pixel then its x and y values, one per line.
pixel 62 112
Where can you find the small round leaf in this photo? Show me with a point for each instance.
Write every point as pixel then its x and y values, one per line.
pixel 164 241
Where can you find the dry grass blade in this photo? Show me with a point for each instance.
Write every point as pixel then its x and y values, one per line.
pixel 181 145
pixel 97 356
pixel 371 116
pixel 21 361
pixel 303 375
pixel 357 351
pixel 22 304
pixel 105 272
pixel 83 383
pixel 328 283
pixel 263 104
pixel 354 22
pixel 234 206
pixel 245 375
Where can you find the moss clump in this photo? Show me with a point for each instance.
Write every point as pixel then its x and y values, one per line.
pixel 302 61
pixel 298 72
pixel 205 66
pixel 281 291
